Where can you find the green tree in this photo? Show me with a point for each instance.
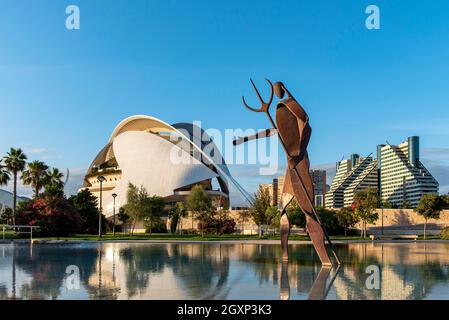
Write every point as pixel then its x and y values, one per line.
pixel 200 204
pixel 258 209
pixel 430 206
pixel 134 206
pixel 224 224
pixel 365 204
pixel 445 201
pixel 387 205
pixel 244 215
pixel 329 221
pixel 87 206
pixel 35 176
pixel 54 183
pixel 123 216
pixel 273 216
pixel 406 205
pixel 4 174
pixel 153 209
pixel 347 218
pixel 15 161
pixel 295 215
pixel 176 214
pixel 6 215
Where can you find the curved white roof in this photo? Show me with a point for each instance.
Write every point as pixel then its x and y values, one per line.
pixel 141 123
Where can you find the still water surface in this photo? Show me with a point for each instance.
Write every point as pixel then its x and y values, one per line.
pixel 222 271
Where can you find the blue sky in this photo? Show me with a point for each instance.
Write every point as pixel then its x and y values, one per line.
pixel 62 92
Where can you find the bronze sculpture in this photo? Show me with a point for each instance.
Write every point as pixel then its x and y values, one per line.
pixel 294 131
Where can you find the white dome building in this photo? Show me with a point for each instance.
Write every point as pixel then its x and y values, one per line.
pixel 167 160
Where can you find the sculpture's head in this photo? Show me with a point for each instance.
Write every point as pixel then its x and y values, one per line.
pixel 279 89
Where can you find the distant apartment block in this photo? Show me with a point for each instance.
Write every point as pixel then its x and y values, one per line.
pixel 320 187
pixel 397 174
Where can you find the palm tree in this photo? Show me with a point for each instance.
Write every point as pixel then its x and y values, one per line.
pixel 35 175
pixel 54 180
pixel 15 163
pixel 4 174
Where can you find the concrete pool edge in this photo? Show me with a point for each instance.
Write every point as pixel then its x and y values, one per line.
pixel 250 242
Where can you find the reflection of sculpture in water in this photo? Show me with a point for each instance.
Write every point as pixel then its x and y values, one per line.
pixel 284 292
pixel 319 289
pixel 292 125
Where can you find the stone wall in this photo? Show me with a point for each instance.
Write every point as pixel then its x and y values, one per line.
pixel 407 221
pixel 397 221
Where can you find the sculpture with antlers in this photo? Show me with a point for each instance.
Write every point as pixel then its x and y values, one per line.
pixel 294 131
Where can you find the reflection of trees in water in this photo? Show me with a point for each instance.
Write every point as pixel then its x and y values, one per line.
pixel 47 268
pixel 265 262
pixel 4 294
pixel 140 262
pixel 203 269
pixel 303 266
pixel 101 284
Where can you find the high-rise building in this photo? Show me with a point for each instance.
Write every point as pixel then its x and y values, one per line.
pixel 403 179
pixel 319 184
pixel 397 174
pixel 352 175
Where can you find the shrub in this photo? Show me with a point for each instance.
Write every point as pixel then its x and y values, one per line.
pixel 445 233
pixel 330 222
pixel 156 226
pixel 52 213
pixel 218 225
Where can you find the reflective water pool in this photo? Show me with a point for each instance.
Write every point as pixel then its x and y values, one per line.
pixel 221 271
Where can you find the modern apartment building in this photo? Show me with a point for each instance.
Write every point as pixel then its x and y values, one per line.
pixel 352 175
pixel 402 176
pixel 397 174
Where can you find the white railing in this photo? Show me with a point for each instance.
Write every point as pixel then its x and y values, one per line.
pixel 6 227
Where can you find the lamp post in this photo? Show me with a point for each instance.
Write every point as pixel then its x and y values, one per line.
pixel 382 207
pixel 101 179
pixel 114 195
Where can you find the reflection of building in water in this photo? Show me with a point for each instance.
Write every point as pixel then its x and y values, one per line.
pixel 392 286
pixel 407 271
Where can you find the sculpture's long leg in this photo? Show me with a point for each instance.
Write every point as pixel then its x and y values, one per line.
pixel 285 230
pixel 285 227
pixel 316 234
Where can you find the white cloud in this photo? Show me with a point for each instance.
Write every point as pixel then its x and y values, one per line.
pixel 35 150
